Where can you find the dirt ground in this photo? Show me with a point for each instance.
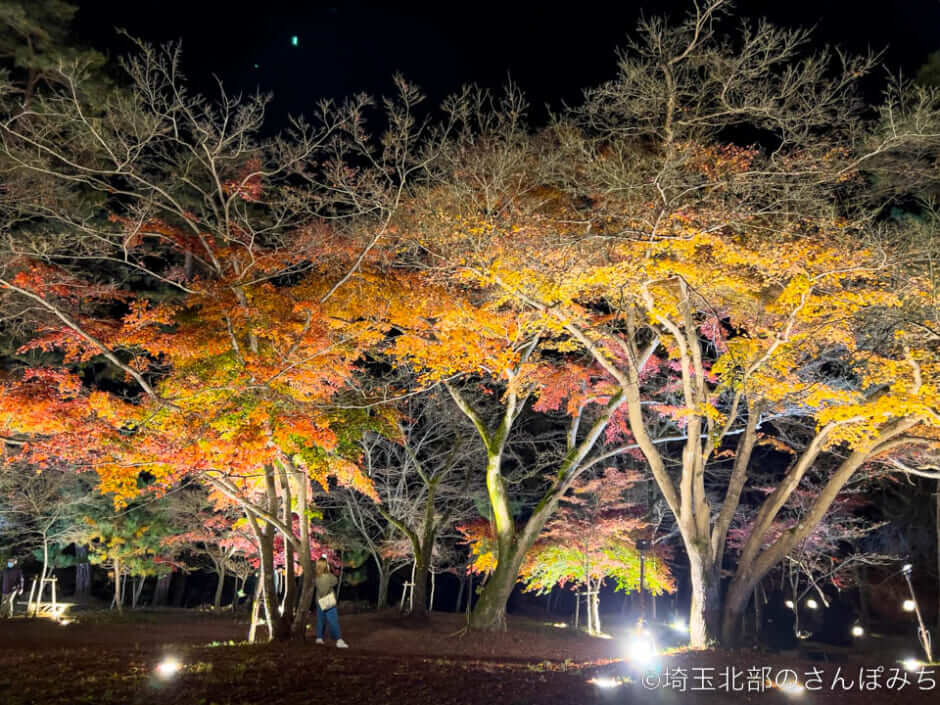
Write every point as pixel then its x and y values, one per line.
pixel 103 660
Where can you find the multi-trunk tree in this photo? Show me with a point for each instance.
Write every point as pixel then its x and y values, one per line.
pixel 639 226
pixel 422 477
pixel 158 235
pixel 694 256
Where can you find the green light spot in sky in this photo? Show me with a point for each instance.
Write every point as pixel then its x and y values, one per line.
pixel 294 40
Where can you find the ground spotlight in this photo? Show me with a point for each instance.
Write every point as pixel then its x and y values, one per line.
pixel 908 605
pixel 679 625
pixel 858 630
pixel 789 604
pixel 641 647
pixel 793 688
pixel 605 682
pixel 812 604
pixel 912 664
pixel 168 667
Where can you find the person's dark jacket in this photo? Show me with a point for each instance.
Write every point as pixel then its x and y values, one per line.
pixel 12 579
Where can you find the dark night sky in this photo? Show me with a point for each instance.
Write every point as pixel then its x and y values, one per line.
pixel 551 52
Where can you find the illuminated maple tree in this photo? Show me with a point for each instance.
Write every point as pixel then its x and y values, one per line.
pixel 651 235
pixel 227 371
pixel 591 538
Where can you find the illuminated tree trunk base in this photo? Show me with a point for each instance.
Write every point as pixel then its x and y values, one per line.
pixel 219 586
pixel 419 591
pixel 735 603
pixel 382 601
pixel 705 614
pixel 489 613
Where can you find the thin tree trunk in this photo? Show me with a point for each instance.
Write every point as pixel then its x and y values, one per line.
pixel 469 595
pixel 460 590
pixel 757 610
pixel 339 578
pixel 82 571
pixel 384 576
pixel 301 488
pixel 45 564
pixel 596 609
pixel 162 590
pixel 217 602
pixel 138 589
pixel 236 593
pixel 117 585
pixel 255 609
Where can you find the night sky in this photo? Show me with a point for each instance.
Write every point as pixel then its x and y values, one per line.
pixel 551 52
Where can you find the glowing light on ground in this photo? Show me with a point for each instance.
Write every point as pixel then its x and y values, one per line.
pixel 908 605
pixel 605 682
pixel 793 688
pixel 561 625
pixel 812 604
pixel 789 603
pixel 858 630
pixel 912 664
pixel 641 647
pixel 168 667
pixel 679 625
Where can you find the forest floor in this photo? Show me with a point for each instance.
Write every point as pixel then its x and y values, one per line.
pixel 103 659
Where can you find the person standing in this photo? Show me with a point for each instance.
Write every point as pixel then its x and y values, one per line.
pixel 12 587
pixel 327 614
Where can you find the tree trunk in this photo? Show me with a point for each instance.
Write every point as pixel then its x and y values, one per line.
pixel 305 594
pixel 384 577
pixel 300 487
pixel 735 603
pixel 238 588
pixel 419 591
pixel 277 629
pixel 642 591
pixel 757 612
pixel 490 610
pixel 217 602
pixel 82 571
pixel 138 590
pixel 596 610
pixel 118 601
pixel 460 589
pixel 162 591
pixel 45 565
pixel 255 609
pixel 705 613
